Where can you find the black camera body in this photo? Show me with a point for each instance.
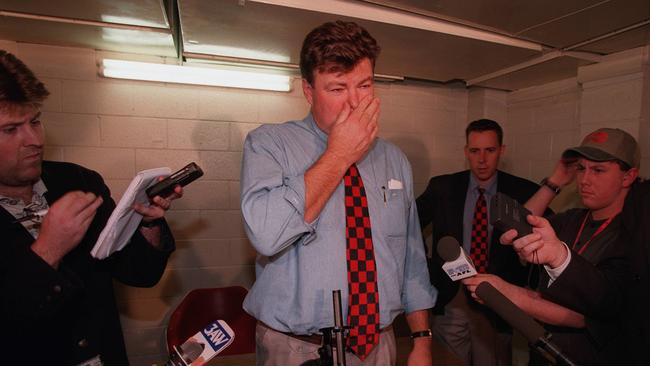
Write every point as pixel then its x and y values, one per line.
pixel 506 213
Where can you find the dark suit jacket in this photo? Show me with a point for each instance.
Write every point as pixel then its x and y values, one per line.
pixel 442 205
pixel 593 284
pixel 636 236
pixel 65 316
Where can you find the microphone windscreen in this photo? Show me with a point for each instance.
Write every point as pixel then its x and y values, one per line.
pixel 510 312
pixel 191 351
pixel 448 248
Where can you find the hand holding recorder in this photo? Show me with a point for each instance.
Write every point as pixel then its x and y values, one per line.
pixel 166 190
pixel 540 247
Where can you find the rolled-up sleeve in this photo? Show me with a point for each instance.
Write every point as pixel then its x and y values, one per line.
pixel 418 293
pixel 273 199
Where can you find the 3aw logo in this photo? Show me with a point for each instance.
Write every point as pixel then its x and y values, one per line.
pixel 217 336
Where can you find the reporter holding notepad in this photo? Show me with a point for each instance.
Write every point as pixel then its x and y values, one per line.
pixel 57 303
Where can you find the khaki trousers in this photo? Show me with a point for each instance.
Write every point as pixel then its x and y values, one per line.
pixel 277 349
pixel 468 332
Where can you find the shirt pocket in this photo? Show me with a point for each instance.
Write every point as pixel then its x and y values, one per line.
pixel 394 218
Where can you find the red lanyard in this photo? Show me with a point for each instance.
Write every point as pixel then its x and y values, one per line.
pixel 600 229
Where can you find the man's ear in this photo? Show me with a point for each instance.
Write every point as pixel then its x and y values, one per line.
pixel 502 150
pixel 307 90
pixel 466 150
pixel 630 176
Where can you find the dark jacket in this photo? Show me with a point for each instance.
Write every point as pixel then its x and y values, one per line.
pixel 636 236
pixel 442 205
pixel 593 284
pixel 65 316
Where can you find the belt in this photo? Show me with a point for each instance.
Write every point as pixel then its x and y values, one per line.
pixel 316 339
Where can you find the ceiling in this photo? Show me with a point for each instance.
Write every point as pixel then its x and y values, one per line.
pixel 504 44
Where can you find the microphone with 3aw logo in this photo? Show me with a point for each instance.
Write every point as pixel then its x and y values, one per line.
pixel 203 346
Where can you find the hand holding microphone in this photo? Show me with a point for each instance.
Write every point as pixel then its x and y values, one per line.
pixel 507 289
pixel 529 328
pixel 459 266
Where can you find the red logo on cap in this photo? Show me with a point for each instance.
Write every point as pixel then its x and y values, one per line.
pixel 597 137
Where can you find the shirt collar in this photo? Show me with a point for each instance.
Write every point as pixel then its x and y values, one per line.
pixel 311 123
pixel 490 187
pixel 38 188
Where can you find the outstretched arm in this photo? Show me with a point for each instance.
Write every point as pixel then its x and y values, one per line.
pixel 529 301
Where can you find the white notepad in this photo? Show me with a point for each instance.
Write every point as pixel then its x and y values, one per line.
pixel 124 221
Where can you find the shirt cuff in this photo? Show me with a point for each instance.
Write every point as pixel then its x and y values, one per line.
pixel 295 195
pixel 554 273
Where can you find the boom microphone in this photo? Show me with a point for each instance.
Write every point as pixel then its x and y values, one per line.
pixel 203 346
pixel 521 321
pixel 457 264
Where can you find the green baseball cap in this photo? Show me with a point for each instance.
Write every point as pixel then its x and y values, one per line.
pixel 606 144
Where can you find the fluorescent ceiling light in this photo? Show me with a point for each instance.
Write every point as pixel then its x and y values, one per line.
pixel 133 70
pixel 398 17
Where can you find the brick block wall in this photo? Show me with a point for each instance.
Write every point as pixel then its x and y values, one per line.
pixel 542 122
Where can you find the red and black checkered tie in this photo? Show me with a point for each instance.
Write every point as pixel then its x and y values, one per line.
pixel 479 249
pixel 363 312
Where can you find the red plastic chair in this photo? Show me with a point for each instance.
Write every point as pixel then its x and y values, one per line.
pixel 202 306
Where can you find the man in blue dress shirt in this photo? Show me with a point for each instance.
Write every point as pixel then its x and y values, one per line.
pixel 294 207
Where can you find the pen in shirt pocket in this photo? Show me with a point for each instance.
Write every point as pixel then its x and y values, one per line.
pixel 37 214
pixel 383 190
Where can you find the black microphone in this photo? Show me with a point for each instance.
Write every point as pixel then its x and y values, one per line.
pixel 457 264
pixel 521 321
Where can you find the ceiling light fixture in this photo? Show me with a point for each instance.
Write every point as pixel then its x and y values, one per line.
pixel 402 18
pixel 226 77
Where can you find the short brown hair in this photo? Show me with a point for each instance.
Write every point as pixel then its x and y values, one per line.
pixel 483 125
pixel 18 85
pixel 336 46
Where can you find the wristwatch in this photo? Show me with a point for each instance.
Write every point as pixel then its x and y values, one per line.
pixel 152 223
pixel 555 188
pixel 422 333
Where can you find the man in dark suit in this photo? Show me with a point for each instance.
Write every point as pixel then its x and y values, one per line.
pixel 57 305
pixel 451 204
